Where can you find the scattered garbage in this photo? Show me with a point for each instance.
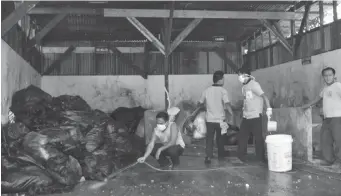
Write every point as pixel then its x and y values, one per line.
pixel 56 142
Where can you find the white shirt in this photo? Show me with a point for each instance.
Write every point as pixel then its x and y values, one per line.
pixel 164 136
pixel 215 97
pixel 331 100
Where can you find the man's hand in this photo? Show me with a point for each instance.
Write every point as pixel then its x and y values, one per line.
pixel 269 112
pixel 141 159
pixel 158 152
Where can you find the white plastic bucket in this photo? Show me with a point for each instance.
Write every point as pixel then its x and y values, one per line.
pixel 279 148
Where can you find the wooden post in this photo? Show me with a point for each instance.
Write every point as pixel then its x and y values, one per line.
pixel 335 31
pixel 256 53
pixel 168 36
pixel 208 62
pixel 146 56
pixel 240 48
pixel 321 12
pixel 303 25
pixel 249 49
pixel 292 31
pixel 335 10
pixel 261 38
pixel 271 50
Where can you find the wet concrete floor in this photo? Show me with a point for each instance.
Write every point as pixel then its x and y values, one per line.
pixel 233 179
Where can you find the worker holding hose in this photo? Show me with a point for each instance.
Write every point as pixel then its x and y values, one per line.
pixel 331 126
pixel 171 142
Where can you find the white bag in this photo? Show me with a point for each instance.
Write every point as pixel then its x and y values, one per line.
pixel 200 124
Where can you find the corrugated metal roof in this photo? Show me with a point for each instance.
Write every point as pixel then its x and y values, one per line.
pixel 88 27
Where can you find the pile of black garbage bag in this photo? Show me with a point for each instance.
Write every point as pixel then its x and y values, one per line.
pixel 55 141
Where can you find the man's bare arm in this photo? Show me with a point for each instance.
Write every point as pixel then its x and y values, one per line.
pixel 313 102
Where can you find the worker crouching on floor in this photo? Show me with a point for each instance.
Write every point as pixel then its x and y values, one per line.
pixel 331 126
pixel 215 98
pixel 254 98
pixel 172 144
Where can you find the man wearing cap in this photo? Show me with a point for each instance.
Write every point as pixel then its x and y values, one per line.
pixel 215 98
pixel 331 126
pixel 254 98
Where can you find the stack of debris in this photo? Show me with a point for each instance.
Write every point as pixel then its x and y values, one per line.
pixel 57 140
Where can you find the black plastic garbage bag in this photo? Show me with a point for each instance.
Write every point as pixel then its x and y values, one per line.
pixel 64 169
pixel 35 145
pixel 8 164
pixel 12 136
pixel 69 102
pixel 99 164
pixel 27 179
pixel 87 119
pixel 130 117
pixel 17 131
pixel 64 138
pixel 28 96
pixel 94 139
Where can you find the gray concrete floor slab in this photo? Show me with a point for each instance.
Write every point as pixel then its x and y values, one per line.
pixel 233 179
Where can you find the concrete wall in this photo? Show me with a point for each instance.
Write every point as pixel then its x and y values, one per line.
pixel 109 92
pixel 190 87
pixel 293 84
pixel 297 123
pixel 16 74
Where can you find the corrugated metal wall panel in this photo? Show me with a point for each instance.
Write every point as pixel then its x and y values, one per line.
pixel 328 38
pixel 310 45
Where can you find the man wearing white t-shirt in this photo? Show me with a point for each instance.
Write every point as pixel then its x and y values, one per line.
pixel 331 126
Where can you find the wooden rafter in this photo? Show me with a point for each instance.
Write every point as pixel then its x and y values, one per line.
pixel 41 34
pixel 56 64
pixel 227 61
pixel 16 15
pixel 184 34
pixel 276 31
pixel 128 62
pixel 139 26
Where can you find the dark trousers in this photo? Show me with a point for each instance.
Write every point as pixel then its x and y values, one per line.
pixel 330 135
pixel 174 152
pixel 213 128
pixel 255 127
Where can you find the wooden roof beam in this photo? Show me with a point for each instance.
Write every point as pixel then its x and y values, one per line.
pixel 125 60
pixel 56 64
pixel 154 13
pixel 41 34
pixel 139 26
pixel 16 15
pixel 276 31
pixel 164 13
pixel 221 52
pixel 184 34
